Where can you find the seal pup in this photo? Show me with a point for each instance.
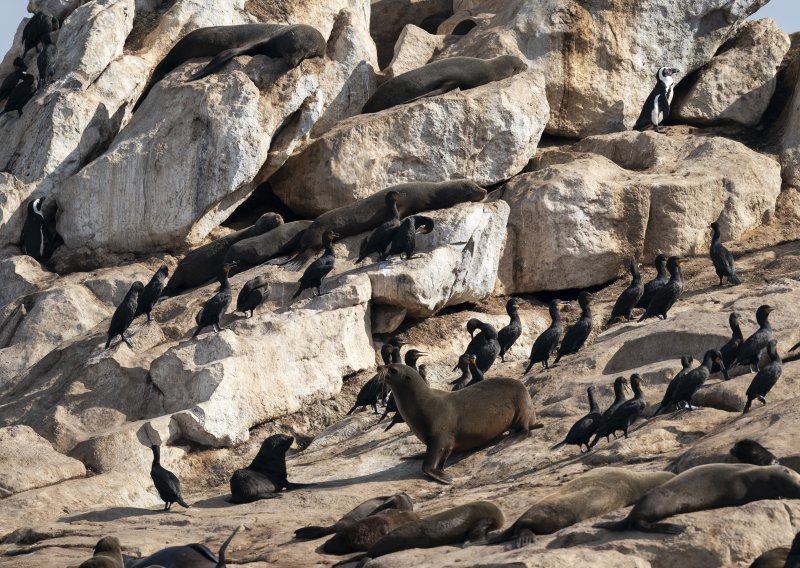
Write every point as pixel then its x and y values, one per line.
pixel 35 241
pixel 152 292
pixel 722 258
pixel 509 334
pixel 458 421
pixel 124 314
pixel 630 296
pixel 266 474
pixel 440 77
pixel 657 105
pixel 705 487
pixel 187 556
pixel 750 451
pixel 766 377
pixel 363 534
pixel 581 432
pixel 167 483
pixel 107 554
pixel 398 502
pixel 592 494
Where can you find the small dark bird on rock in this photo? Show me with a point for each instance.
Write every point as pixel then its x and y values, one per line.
pixel 750 351
pixel 666 297
pixel 21 94
pixel 45 62
pixel 381 237
pixel 750 451
pixel 577 334
pixel 731 349
pixel 508 335
pixel 12 79
pixel 694 379
pixel 320 268
pixel 36 240
pixel 152 292
pixel 582 431
pixel 215 307
pixel 404 238
pixel 686 365
pixel 662 277
pixel 252 295
pixel 485 346
pixel 620 385
pixel 629 297
pixel 373 389
pixel 36 28
pixel 166 482
pixel 625 415
pixel 463 366
pixel 124 314
pixel 546 344
pixel 766 377
pixel 722 257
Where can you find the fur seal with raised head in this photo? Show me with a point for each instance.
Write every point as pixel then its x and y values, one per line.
pixel 107 554
pixel 294 43
pixel 705 487
pixel 187 556
pixel 266 474
pixel 597 492
pixel 458 421
pixel 750 451
pixel 398 501
pixel 440 77
pixel 366 214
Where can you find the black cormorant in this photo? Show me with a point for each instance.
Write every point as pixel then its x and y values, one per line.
pixel 319 269
pixel 37 27
pixel 662 276
pixel 215 307
pixel 124 314
pixel 152 292
pixel 166 482
pixel 664 299
pixel 21 94
pixel 485 346
pixel 766 377
pixel 750 351
pixel 577 334
pixel 722 257
pixel 694 379
pixel 629 297
pixel 463 366
pixel 11 80
pixel 582 431
pixel 381 237
pixel 731 349
pixel 686 365
pixel 508 335
pixel 546 343
pixel 625 414
pixel 404 238
pixel 252 295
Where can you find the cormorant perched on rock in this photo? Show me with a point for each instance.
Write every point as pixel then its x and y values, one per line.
pixel 11 80
pixel 694 379
pixel 485 346
pixel 37 27
pixel 124 314
pixel 375 388
pixel 662 276
pixel 750 451
pixel 620 385
pixel 577 334
pixel 731 349
pixel 152 292
pixel 381 237
pixel 404 238
pixel 463 366
pixel 750 351
pixel 686 365
pixel 766 377
pixel 319 269
pixel 657 106
pixel 21 94
pixel 252 295
pixel 35 241
pixel 664 299
pixel 215 307
pixel 507 336
pixel 45 62
pixel 630 296
pixel 582 431
pixel 624 415
pixel 410 359
pixel 166 482
pixel 722 257
pixel 546 343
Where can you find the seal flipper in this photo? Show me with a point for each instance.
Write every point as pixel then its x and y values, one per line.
pixel 445 87
pixel 662 528
pixel 289 485
pixel 312 532
pixel 221 59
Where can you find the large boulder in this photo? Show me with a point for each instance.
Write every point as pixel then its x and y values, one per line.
pixel 789 121
pixel 486 134
pixel 738 83
pixel 600 60
pixel 583 214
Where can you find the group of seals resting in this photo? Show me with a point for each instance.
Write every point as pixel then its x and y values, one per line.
pixel 293 44
pixel 266 475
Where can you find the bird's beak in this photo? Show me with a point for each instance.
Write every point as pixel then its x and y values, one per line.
pixel 681 261
pixel 456 367
pixel 422 354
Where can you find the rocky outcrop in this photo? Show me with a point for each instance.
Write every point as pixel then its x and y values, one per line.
pixel 486 134
pixel 414 48
pixel 789 122
pixel 738 83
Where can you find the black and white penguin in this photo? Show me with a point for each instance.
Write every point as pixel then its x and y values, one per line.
pixel 656 107
pixel 35 237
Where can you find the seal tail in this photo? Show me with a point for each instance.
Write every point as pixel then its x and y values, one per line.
pixel 221 59
pixel 224 547
pixel 312 532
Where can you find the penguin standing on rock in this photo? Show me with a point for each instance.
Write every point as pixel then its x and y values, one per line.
pixel 35 239
pixel 656 107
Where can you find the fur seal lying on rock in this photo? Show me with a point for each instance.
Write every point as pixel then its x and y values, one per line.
pixel 597 492
pixel 266 246
pixel 441 76
pixel 107 554
pixel 704 487
pixel 187 556
pixel 292 43
pixel 750 451
pixel 266 475
pixel 362 535
pixel 399 502
pixel 461 420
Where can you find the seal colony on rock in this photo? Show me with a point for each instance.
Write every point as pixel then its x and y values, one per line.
pixel 458 421
pixel 441 77
pixel 187 556
pixel 266 474
pixel 291 43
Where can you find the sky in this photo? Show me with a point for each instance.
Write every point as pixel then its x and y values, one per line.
pixel 785 12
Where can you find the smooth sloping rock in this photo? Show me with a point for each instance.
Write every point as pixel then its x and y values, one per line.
pixel 484 134
pixel 28 461
pixel 414 48
pixel 20 275
pixel 58 8
pixel 600 61
pixel 579 219
pixel 737 85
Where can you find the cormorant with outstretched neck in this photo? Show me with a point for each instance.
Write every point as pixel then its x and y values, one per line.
pixel 577 334
pixel 507 336
pixel 546 343
pixel 12 79
pixel 166 482
pixel 582 431
pixel 124 314
pixel 320 268
pixel 686 365
pixel 624 415
pixel 381 237
pixel 751 349
pixel 375 388
pixel 620 385
pixel 404 238
pixel 252 295
pixel 485 346
pixel 463 366
pixel 215 307
pixel 475 372
pixel 766 377
pixel 731 349
pixel 152 292
pixel 630 296
pixel 694 379
pixel 662 276
pixel 410 359
pixel 665 298
pixel 722 257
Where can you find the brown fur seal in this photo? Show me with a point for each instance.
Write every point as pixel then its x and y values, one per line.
pixel 398 502
pixel 107 554
pixel 292 43
pixel 261 248
pixel 363 534
pixel 266 475
pixel 206 262
pixel 457 421
pixel 440 77
pixel 187 556
pixel 782 557
pixel 600 491
pixel 366 214
pixel 706 487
